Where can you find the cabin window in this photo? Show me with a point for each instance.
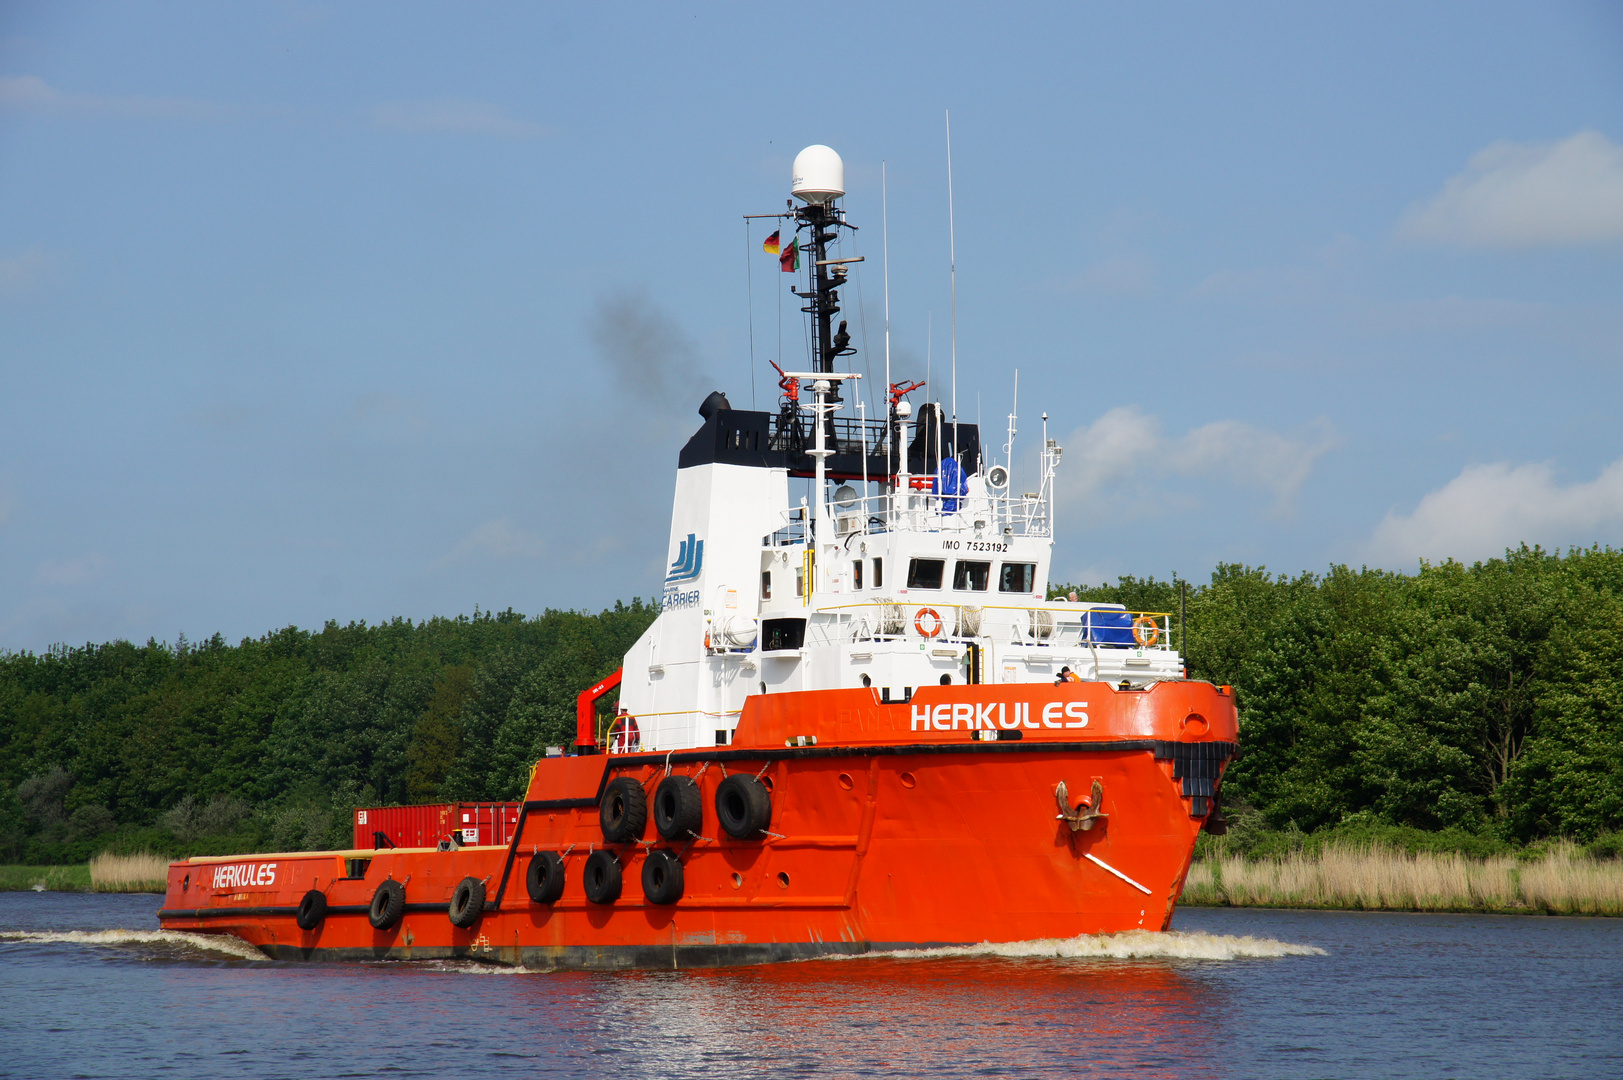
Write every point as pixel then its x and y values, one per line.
pixel 779 634
pixel 925 573
pixel 879 573
pixel 766 584
pixel 972 576
pixel 856 574
pixel 1017 577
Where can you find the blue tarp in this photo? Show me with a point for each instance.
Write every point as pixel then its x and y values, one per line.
pixel 949 481
pixel 1109 627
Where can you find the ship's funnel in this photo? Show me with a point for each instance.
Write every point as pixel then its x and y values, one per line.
pixel 819 175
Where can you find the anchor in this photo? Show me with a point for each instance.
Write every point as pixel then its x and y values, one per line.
pixel 1087 814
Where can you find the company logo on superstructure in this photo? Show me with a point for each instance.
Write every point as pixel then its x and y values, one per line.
pixel 687 565
pixel 689 561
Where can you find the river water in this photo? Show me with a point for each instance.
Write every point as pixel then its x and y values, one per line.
pixel 90 988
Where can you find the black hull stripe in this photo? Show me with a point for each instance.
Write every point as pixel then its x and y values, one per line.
pixel 609 957
pixel 802 753
pixel 260 912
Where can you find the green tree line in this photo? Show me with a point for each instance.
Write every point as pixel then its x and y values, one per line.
pixel 1486 700
pixel 270 743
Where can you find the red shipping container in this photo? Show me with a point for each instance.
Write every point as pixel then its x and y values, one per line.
pixel 426 825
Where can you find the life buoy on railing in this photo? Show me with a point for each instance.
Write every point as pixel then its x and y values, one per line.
pixel 935 622
pixel 1145 632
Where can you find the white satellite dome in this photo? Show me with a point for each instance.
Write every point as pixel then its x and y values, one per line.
pixel 819 175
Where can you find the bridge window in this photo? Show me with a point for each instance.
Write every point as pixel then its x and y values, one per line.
pixel 972 576
pixel 925 573
pixel 1017 577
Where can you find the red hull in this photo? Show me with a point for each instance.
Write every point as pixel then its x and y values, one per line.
pixel 893 826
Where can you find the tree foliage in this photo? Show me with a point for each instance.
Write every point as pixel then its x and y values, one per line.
pixel 1485 698
pixel 274 741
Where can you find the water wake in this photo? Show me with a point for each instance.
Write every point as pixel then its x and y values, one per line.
pixel 161 940
pixel 1128 945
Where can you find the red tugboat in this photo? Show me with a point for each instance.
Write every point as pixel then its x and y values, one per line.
pixel 856 724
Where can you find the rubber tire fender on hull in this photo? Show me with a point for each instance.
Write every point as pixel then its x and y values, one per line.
pixel 624 811
pixel 545 879
pixel 743 807
pixel 312 910
pixel 388 904
pixel 662 877
pixel 678 808
pixel 602 877
pixel 467 903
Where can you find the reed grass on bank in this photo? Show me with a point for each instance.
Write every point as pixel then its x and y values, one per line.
pixel 54 878
pixel 143 872
pixel 1562 882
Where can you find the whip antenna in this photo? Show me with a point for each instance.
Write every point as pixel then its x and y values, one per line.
pixel 952 270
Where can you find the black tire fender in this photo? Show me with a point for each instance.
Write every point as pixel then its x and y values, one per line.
pixel 388 904
pixel 467 903
pixel 743 807
pixel 662 877
pixel 545 879
pixel 602 877
pixel 678 808
pixel 312 910
pixel 624 811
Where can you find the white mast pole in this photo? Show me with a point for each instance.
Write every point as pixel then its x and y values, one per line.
pixel 884 210
pixel 952 269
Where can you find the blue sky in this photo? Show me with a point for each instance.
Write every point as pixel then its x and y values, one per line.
pixel 353 311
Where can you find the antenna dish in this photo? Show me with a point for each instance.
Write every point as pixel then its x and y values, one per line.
pixel 818 175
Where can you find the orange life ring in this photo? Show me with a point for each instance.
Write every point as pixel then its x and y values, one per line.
pixel 918 622
pixel 1145 632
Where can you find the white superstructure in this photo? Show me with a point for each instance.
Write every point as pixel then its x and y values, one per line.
pixel 909 559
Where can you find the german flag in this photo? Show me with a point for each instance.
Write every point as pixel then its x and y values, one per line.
pixel 789 261
pixel 771 245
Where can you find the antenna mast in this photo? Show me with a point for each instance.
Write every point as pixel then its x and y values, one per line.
pixel 884 211
pixel 952 270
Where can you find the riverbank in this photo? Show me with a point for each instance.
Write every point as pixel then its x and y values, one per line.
pixel 1563 881
pixel 105 873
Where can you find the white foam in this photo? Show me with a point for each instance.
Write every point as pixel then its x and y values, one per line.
pixel 217 943
pixel 1128 945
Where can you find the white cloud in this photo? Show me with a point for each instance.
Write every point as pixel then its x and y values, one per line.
pixel 1488 508
pixel 456 117
pixel 499 539
pixel 1125 449
pixel 30 92
pixel 80 571
pixel 1515 195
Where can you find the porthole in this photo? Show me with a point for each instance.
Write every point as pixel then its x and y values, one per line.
pixel 909 780
pixel 738 881
pixel 783 880
pixel 845 781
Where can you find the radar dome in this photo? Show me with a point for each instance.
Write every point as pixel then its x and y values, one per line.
pixel 819 175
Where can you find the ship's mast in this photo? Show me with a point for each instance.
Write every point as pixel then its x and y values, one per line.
pixel 819 180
